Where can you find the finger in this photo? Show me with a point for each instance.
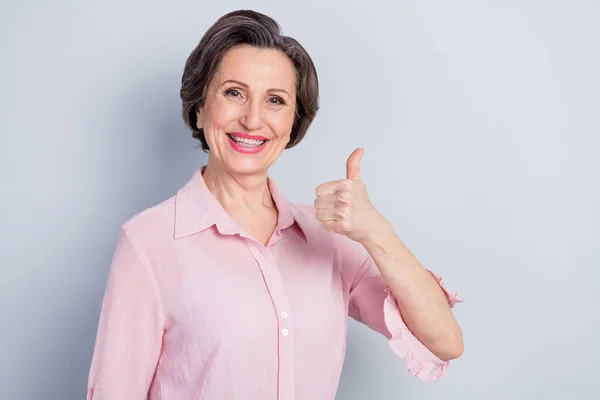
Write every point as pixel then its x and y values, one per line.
pixel 353 164
pixel 327 201
pixel 330 226
pixel 329 188
pixel 327 214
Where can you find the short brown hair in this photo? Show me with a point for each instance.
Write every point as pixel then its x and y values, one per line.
pixel 246 27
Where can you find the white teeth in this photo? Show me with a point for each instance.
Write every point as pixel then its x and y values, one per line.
pixel 251 142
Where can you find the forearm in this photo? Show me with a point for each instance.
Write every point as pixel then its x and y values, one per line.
pixel 422 302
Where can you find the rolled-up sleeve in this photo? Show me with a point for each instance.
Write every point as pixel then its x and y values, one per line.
pixel 372 303
pixel 130 328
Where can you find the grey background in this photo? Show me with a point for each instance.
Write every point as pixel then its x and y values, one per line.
pixel 480 125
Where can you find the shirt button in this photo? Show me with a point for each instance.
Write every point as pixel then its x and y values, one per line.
pixel 285 332
pixel 284 315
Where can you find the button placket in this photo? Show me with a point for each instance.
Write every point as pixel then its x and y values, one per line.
pixel 286 348
pixel 286 344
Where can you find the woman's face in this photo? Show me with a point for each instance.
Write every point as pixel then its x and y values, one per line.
pixel 249 109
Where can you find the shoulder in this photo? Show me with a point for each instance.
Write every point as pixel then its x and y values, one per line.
pixel 315 232
pixel 304 214
pixel 305 211
pixel 347 255
pixel 152 225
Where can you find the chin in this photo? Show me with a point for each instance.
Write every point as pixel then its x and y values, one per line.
pixel 244 164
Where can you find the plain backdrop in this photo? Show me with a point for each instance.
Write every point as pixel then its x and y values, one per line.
pixel 480 125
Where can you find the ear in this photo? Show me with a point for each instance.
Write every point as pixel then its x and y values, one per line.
pixel 198 117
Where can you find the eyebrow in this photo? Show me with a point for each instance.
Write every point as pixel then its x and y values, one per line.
pixel 246 86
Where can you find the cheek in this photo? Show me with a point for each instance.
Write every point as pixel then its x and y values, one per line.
pixel 282 123
pixel 221 114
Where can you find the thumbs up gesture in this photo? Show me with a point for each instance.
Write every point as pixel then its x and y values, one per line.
pixel 344 207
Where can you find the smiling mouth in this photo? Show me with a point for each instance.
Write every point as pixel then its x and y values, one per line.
pixel 245 142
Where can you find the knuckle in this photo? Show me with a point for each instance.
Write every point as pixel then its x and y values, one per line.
pixel 345 225
pixel 318 215
pixel 345 197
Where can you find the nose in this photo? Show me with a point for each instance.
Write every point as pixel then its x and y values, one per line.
pixel 252 116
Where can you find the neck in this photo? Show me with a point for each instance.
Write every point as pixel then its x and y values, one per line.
pixel 236 191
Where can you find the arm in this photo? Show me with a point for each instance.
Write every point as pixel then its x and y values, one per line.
pixel 423 304
pixel 344 207
pixel 373 304
pixel 130 328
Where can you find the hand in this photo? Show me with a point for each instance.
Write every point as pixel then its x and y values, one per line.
pixel 344 207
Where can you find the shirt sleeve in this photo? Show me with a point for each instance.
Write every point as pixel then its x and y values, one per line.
pixel 130 328
pixel 373 304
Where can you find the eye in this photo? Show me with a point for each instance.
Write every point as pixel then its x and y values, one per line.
pixel 233 93
pixel 276 100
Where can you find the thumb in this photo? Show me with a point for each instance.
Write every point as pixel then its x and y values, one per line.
pixel 353 164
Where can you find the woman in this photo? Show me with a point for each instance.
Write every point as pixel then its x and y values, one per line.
pixel 227 290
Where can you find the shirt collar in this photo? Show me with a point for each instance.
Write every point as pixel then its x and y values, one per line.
pixel 196 209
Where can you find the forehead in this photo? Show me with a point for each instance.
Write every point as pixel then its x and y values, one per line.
pixel 257 68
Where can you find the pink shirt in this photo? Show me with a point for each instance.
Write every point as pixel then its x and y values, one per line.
pixel 195 308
